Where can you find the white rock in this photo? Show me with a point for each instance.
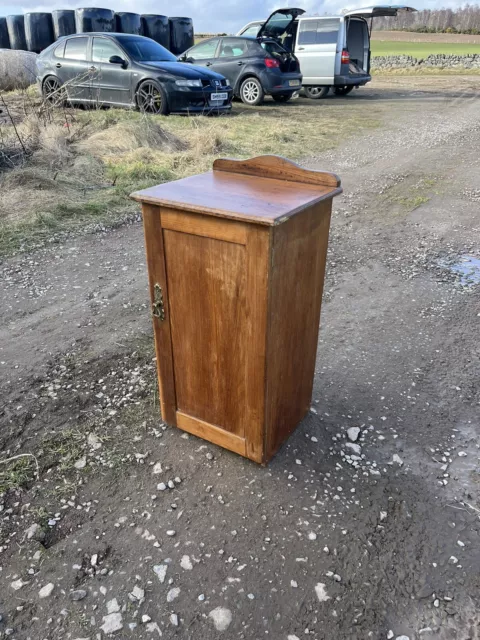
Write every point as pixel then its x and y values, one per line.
pixel 94 560
pixel 161 486
pixel 186 563
pixel 292 637
pixel 32 531
pixel 46 590
pixel 174 619
pixel 93 442
pixel 321 592
pixel 383 515
pixel 294 584
pixel 356 448
pixel 157 468
pixel 396 458
pixel 112 622
pixel 161 571
pixel 172 594
pixel 453 560
pixel 113 606
pixel 81 463
pixel 312 535
pixel 462 454
pixel 390 635
pixel 17 584
pixel 145 618
pixel 170 533
pixel 402 638
pixel 460 543
pixel 353 433
pixel 138 593
pixel 221 617
pixel 436 603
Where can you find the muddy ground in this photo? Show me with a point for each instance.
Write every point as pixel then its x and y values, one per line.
pixel 134 528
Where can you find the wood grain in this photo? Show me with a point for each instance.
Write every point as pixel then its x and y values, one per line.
pixel 257 270
pixel 277 167
pixel 199 225
pixel 266 201
pixel 299 254
pixel 163 345
pixel 206 283
pixel 211 432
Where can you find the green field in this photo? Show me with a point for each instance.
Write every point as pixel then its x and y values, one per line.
pixel 420 49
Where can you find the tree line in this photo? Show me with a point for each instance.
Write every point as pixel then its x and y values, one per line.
pixel 463 20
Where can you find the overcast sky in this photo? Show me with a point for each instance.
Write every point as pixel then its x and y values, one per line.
pixel 211 15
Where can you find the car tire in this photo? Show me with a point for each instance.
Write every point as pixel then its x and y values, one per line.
pixel 343 91
pixel 316 93
pixel 152 99
pixel 51 91
pixel 251 92
pixel 282 97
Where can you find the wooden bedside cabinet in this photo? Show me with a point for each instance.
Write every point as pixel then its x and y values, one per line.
pixel 236 262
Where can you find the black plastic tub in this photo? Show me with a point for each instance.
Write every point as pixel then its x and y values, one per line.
pixel 126 22
pixel 4 38
pixel 93 19
pixel 157 28
pixel 38 31
pixel 16 32
pixel 63 22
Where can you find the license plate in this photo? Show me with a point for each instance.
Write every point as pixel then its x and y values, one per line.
pixel 218 96
pixel 294 83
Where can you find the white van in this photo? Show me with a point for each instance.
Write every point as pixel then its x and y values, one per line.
pixel 333 51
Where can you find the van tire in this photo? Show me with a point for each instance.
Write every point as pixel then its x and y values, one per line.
pixel 251 91
pixel 343 91
pixel 315 93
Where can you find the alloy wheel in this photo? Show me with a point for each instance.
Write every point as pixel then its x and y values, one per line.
pixel 251 91
pixel 149 98
pixel 51 90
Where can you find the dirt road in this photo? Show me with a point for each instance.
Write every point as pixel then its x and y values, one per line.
pixel 137 530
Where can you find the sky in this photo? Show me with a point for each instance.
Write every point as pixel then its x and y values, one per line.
pixel 212 16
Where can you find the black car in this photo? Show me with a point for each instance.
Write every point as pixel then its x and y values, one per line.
pixel 131 71
pixel 253 67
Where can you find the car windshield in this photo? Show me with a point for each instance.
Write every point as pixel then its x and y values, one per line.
pixel 146 50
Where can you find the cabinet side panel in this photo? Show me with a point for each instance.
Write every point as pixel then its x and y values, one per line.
pixel 299 254
pixel 163 342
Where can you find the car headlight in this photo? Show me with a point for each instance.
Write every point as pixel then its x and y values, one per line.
pixel 188 83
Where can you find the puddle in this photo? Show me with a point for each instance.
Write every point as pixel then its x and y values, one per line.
pixel 466 268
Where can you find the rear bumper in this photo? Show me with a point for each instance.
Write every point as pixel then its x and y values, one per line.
pixel 357 80
pixel 278 82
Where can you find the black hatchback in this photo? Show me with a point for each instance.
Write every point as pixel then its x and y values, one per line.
pixel 253 67
pixel 130 71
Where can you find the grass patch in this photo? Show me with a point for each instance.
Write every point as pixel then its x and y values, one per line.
pixel 421 49
pixel 409 193
pixel 17 473
pixel 80 166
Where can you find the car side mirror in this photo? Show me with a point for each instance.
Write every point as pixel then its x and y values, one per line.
pixel 118 60
pixel 185 58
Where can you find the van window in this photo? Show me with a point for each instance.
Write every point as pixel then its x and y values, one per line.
pixel 252 30
pixel 76 49
pixel 323 31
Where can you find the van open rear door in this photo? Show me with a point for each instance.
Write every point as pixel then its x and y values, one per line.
pixel 279 22
pixel 379 11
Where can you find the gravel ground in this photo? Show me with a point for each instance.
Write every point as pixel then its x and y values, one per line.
pixel 365 525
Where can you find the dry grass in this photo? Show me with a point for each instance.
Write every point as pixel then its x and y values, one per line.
pixel 78 167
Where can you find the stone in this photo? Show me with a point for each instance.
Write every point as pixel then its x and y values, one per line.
pixel 173 594
pixel 321 592
pixel 353 434
pixel 81 463
pixel 186 563
pixel 161 571
pixel 390 635
pixel 113 606
pixel 145 618
pixel 78 594
pixel 46 590
pixel 312 535
pixel 221 617
pixel 170 533
pixel 157 468
pixel 112 622
pixel 356 448
pixel 397 460
pixel 93 442
pixel 138 593
pixel 17 584
pixel 402 638
pixel 174 619
pixel 161 486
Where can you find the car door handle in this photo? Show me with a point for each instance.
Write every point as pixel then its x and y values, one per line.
pixel 240 64
pixel 58 65
pixel 300 48
pixel 208 64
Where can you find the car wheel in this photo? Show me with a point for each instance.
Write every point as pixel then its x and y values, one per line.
pixel 343 91
pixel 251 92
pixel 282 97
pixel 151 98
pixel 315 93
pixel 51 90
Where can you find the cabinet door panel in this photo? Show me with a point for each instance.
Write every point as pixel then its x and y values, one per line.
pixel 207 296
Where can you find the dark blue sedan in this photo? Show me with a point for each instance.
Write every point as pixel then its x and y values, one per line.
pixel 130 71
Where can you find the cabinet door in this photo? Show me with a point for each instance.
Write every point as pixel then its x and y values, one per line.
pixel 215 275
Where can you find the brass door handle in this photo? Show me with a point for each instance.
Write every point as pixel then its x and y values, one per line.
pixel 158 307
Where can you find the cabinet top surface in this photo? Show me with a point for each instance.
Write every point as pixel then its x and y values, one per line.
pixel 232 191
